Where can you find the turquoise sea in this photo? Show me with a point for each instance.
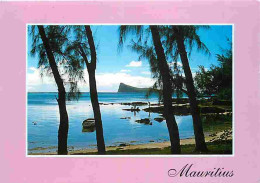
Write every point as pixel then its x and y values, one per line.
pixel 43 122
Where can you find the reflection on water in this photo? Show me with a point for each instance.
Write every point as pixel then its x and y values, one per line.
pixel 116 130
pixel 89 129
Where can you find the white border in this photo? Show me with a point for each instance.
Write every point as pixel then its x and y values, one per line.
pixel 135 156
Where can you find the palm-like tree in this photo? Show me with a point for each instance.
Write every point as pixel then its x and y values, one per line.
pixel 47 54
pixel 167 90
pixel 159 67
pixel 48 43
pixel 82 49
pixel 177 39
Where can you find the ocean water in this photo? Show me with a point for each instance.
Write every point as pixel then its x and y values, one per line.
pixel 43 109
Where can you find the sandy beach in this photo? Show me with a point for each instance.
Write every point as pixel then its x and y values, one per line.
pixel 222 135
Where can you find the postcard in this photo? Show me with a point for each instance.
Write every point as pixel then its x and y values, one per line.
pixel 130 92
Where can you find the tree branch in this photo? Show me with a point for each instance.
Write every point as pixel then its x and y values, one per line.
pixel 83 54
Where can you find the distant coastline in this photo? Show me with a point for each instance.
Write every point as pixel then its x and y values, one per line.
pixel 127 88
pixel 122 88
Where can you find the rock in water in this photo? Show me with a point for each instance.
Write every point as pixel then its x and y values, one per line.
pixel 123 144
pixel 132 109
pixel 125 118
pixel 159 119
pixel 88 123
pixel 144 121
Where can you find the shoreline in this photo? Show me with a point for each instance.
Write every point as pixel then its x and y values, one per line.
pixel 213 137
pixel 218 111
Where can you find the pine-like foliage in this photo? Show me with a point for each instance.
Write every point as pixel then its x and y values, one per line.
pixel 70 69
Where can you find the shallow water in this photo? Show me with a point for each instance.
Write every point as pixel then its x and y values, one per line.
pixel 42 108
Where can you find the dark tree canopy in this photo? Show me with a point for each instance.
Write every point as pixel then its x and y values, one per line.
pixel 218 79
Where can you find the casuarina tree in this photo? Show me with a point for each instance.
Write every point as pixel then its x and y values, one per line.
pixel 82 49
pixel 178 40
pixel 47 43
pixel 159 65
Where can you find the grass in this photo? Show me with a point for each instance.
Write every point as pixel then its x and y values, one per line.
pixel 225 107
pixel 216 123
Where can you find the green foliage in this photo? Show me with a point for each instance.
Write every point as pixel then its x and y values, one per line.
pixel 70 69
pixel 191 39
pixel 218 79
pixel 143 45
pixel 204 82
pixel 170 35
pixel 125 30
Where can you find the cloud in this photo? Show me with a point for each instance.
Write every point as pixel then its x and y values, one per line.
pixel 134 64
pixel 38 83
pixel 106 82
pixel 111 81
pixel 146 72
pixel 34 78
pixel 32 68
pixel 125 70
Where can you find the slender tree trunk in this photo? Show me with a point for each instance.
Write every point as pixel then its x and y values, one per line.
pixel 64 121
pixel 93 92
pixel 97 114
pixel 167 92
pixel 197 123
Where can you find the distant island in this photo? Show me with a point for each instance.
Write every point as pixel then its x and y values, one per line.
pixel 127 88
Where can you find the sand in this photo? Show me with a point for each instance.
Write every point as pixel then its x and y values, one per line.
pixel 208 138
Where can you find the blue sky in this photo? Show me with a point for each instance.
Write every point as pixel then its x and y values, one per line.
pixel 114 67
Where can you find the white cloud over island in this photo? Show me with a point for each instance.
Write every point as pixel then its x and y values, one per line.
pixel 106 82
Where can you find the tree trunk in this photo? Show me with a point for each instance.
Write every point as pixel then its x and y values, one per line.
pixel 64 121
pixel 167 92
pixel 197 124
pixel 97 114
pixel 93 92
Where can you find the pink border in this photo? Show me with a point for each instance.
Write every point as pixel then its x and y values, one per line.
pixel 15 167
